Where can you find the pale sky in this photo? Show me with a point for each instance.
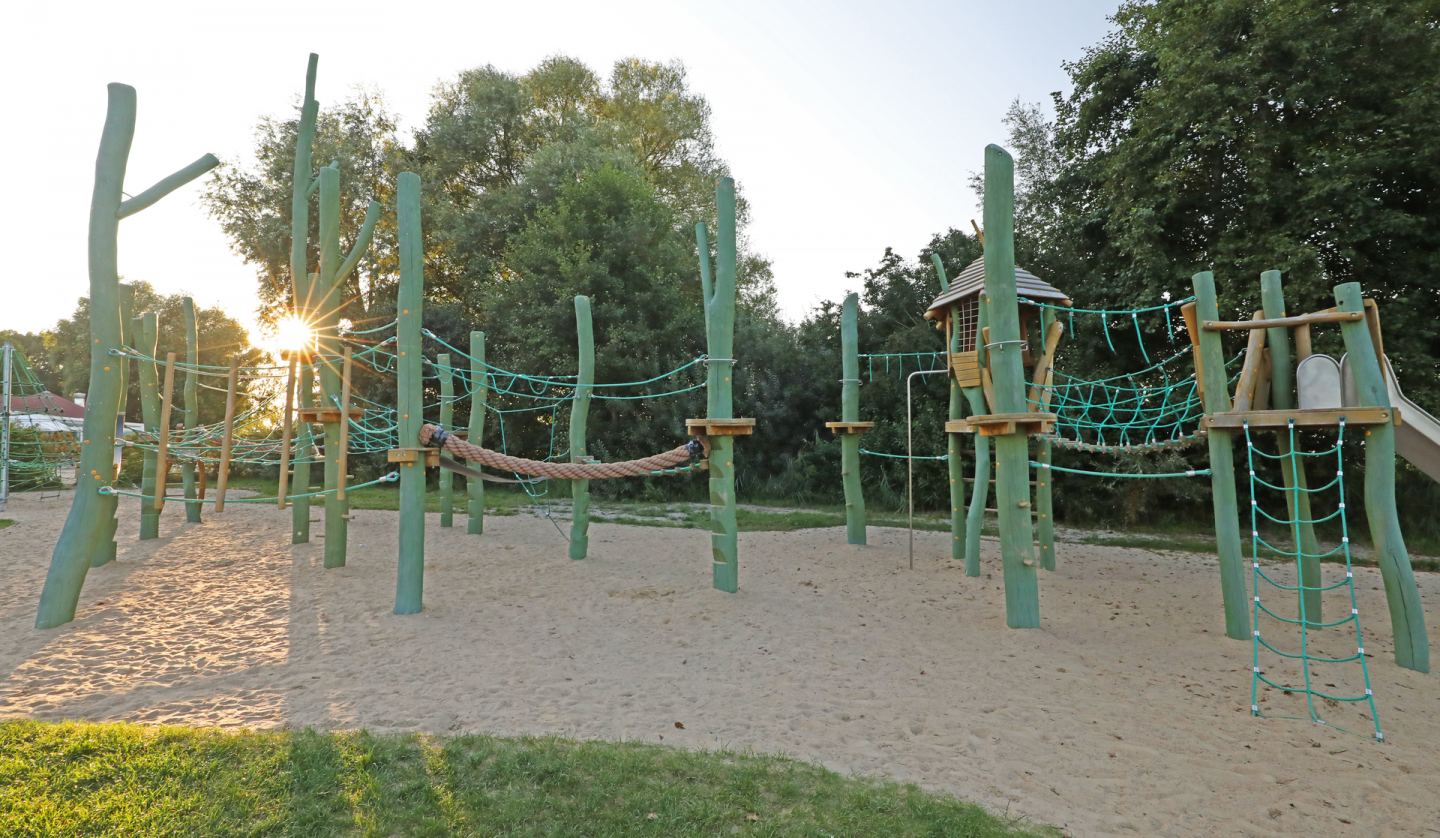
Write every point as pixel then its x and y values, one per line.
pixel 850 126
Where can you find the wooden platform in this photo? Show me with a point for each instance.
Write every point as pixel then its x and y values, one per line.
pixel 720 427
pixel 850 427
pixel 410 455
pixel 1326 418
pixel 999 424
pixel 326 415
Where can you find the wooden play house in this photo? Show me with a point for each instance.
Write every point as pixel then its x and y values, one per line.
pixel 958 312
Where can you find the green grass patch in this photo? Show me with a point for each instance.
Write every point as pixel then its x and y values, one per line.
pixel 82 779
pixel 6 522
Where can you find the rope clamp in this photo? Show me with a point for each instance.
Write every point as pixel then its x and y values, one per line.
pixel 1024 344
pixel 438 438
pixel 707 361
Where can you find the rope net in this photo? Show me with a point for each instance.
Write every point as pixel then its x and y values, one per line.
pixel 1321 643
pixel 39 443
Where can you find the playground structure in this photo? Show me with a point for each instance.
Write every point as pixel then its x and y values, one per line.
pixel 330 360
pixel 987 314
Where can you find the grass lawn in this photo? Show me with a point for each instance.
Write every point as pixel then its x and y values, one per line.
pixel 79 779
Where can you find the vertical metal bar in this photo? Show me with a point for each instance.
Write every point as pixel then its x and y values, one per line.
pixel 910 455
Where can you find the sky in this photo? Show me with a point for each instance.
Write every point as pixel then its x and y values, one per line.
pixel 850 126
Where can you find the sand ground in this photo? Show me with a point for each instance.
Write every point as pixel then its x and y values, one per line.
pixel 1126 713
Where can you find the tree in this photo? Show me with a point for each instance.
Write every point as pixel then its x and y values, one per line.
pixel 1242 135
pixel 253 205
pixel 220 337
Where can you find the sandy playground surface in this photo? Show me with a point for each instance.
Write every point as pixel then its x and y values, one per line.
pixel 1127 713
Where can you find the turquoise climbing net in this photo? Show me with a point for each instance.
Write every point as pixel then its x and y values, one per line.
pixel 37 447
pixel 1152 409
pixel 1312 634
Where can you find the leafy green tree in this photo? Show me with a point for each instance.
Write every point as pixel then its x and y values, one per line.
pixel 1240 136
pixel 220 337
pixel 253 205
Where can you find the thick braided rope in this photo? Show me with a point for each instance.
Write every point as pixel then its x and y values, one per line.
pixel 569 471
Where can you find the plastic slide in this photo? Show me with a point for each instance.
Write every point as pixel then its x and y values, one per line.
pixel 1417 437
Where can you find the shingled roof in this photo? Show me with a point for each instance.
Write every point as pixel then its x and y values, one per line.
pixel 971 281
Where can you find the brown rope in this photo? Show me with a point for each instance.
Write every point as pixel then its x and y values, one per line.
pixel 569 471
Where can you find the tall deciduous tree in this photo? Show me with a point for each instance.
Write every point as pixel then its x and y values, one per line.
pixel 1245 135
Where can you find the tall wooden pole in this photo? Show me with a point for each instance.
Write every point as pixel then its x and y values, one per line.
pixel 108 549
pixel 1222 463
pixel 192 410
pixel 149 414
pixel 1407 614
pixel 1282 397
pixel 410 578
pixel 305 396
pixel 162 458
pixel 342 452
pixel 980 491
pixel 478 390
pixel 231 381
pixel 720 341
pixel 1044 497
pixel 89 511
pixel 1012 460
pixel 955 442
pixel 579 416
pixel 447 421
pixel 303 287
pixel 285 418
pixel 850 412
pixel 337 509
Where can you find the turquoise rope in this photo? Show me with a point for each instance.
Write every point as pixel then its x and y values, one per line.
pixel 1192 473
pixel 389 478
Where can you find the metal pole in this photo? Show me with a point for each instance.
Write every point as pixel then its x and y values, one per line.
pixel 910 456
pixel 5 429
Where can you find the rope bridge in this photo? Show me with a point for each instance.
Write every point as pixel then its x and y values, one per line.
pixel 566 471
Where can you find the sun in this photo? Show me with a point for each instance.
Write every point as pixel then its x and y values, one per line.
pixel 292 333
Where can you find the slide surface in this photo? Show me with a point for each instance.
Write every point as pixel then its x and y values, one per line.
pixel 1417 437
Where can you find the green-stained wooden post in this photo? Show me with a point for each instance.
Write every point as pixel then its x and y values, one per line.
pixel 446 478
pixel 980 493
pixel 304 287
pixel 579 416
pixel 479 388
pixel 331 285
pixel 850 412
pixel 108 548
pixel 85 524
pixel 720 345
pixel 1282 397
pixel 147 337
pixel 305 437
pixel 1007 371
pixel 1044 498
pixel 332 296
pixel 1222 464
pixel 410 578
pixel 956 466
pixel 192 410
pixel 1407 614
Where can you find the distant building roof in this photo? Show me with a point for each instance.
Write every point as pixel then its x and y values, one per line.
pixel 47 403
pixel 971 281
